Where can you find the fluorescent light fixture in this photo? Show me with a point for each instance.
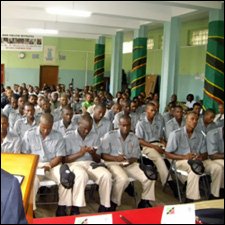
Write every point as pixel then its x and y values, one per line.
pixel 68 12
pixel 41 31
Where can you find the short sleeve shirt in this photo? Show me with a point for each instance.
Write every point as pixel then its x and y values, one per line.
pixel 180 143
pixel 113 144
pixel 49 148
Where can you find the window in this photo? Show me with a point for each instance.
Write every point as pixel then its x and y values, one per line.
pixel 150 43
pixel 198 37
pixel 127 47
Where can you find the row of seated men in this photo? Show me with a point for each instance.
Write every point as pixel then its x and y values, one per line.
pixel 73 141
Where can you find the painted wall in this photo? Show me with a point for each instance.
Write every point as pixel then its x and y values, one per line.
pixel 191 64
pixel 75 59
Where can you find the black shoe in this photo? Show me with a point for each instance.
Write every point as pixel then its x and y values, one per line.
pixel 102 208
pixel 212 197
pixel 144 204
pixel 173 187
pixel 130 190
pixel 188 200
pixel 61 210
pixel 74 210
pixel 113 206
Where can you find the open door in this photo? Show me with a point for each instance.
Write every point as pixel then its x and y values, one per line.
pixel 49 75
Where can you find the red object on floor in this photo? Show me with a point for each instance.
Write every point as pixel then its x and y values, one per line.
pixel 135 216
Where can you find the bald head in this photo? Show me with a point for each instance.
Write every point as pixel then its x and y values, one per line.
pixel 46 118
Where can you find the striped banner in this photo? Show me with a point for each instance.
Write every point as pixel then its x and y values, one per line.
pixel 214 75
pixel 138 71
pixel 99 61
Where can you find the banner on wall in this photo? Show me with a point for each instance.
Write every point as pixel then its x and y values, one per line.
pixel 20 42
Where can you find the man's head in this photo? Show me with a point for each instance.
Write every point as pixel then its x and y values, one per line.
pixel 29 110
pixel 99 112
pixel 221 108
pixel 150 111
pixel 125 124
pixel 209 116
pixel 67 114
pixel 178 113
pixel 63 100
pixel 197 107
pixel 191 120
pixel 4 124
pixel 85 125
pixel 46 123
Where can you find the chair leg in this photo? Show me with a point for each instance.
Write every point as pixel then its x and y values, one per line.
pixel 177 182
pixel 135 194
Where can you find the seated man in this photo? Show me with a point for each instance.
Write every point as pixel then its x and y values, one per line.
pixel 150 134
pixel 188 143
pixel 82 149
pixel 10 142
pixel 122 146
pixel 215 148
pixel 12 211
pixel 50 146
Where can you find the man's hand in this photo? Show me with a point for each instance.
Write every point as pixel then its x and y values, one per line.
pixel 159 149
pixel 47 167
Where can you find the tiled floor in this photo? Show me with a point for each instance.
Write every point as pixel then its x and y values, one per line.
pixel 128 202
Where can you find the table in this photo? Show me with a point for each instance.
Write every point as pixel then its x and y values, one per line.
pixel 22 164
pixel 136 216
pixel 143 216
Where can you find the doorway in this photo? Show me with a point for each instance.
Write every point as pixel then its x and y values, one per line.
pixel 49 75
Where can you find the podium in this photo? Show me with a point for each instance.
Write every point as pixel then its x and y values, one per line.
pixel 25 165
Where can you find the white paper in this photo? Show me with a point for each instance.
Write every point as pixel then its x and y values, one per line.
pixel 40 171
pixel 100 219
pixel 178 214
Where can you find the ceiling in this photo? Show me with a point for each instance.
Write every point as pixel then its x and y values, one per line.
pixel 107 18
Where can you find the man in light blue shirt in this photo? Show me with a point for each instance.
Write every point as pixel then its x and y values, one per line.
pixel 50 146
pixel 10 142
pixel 82 149
pixel 120 150
pixel 188 143
pixel 215 148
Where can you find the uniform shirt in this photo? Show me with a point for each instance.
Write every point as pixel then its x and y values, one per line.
pixel 74 142
pixel 215 141
pixel 172 125
pixel 134 119
pixel 8 109
pixel 57 113
pixel 109 115
pixel 59 126
pixel 167 117
pixel 113 144
pixel 180 143
pixel 12 143
pixel 22 125
pixel 102 127
pixel 149 131
pixel 202 128
pixel 13 117
pixel 52 146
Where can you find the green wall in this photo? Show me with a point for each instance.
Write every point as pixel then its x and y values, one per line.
pixel 79 57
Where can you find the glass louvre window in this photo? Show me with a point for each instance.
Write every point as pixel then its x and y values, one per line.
pixel 199 37
pixel 150 43
pixel 127 47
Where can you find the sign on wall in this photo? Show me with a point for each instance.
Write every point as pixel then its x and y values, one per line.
pixel 20 42
pixel 49 54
